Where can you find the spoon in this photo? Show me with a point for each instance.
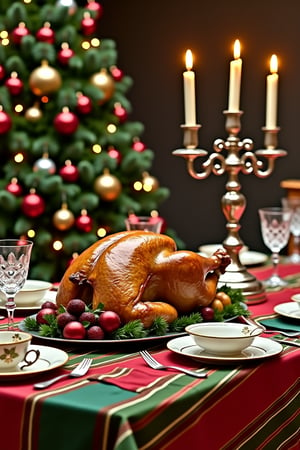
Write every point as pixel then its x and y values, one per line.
pixel 286 333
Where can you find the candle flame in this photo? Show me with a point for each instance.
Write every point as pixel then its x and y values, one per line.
pixel 236 49
pixel 189 60
pixel 273 64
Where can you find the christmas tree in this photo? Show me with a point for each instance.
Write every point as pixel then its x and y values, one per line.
pixel 73 164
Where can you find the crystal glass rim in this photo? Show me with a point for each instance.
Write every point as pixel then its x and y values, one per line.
pixel 274 209
pixel 15 243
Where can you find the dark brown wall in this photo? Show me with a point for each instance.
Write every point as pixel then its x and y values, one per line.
pixel 151 39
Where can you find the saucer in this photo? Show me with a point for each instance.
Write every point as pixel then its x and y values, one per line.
pixel 50 358
pixel 261 348
pixel 289 309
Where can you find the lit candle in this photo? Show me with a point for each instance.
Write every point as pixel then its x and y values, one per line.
pixel 271 96
pixel 235 79
pixel 189 90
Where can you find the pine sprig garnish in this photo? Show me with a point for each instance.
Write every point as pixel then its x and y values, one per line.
pixel 159 327
pixel 31 324
pixel 131 330
pixel 179 324
pixel 51 329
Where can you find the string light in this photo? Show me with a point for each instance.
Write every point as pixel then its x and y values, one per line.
pixel 138 186
pixel 57 245
pixel 19 158
pixel 85 45
pixel 111 128
pixel 19 108
pixel 95 42
pixel 97 148
pixel 101 232
pixel 31 233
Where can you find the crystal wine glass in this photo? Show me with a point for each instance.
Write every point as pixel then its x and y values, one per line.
pixel 275 227
pixel 293 203
pixel 14 264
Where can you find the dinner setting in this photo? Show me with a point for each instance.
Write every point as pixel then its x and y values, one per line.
pixel 115 334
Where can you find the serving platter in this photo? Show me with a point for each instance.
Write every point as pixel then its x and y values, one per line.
pixel 50 358
pixel 146 339
pixel 289 309
pixel 260 349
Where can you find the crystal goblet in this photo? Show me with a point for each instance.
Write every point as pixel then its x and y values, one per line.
pixel 14 265
pixel 293 203
pixel 275 227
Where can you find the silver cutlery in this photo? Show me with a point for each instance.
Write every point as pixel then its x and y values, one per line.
pixel 156 365
pixel 290 334
pixel 286 342
pixel 79 371
pixel 286 333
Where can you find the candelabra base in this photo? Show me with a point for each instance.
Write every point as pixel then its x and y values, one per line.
pixel 237 277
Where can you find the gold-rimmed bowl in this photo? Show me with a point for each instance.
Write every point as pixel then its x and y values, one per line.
pixel 223 338
pixel 31 293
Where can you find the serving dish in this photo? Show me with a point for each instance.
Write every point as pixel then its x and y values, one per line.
pixel 31 293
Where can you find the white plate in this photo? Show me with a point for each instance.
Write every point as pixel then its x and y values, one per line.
pixel 51 296
pixel 247 257
pixel 50 358
pixel 260 349
pixel 289 309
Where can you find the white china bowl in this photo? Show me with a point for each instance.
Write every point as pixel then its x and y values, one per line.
pixel 32 292
pixel 223 338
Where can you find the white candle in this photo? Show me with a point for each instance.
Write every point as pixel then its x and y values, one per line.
pixel 235 79
pixel 271 96
pixel 189 90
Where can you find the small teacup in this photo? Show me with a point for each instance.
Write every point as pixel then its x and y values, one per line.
pixel 14 350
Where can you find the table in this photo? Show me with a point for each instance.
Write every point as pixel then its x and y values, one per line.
pixel 124 405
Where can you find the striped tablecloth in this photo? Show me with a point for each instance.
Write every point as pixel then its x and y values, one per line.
pixel 123 405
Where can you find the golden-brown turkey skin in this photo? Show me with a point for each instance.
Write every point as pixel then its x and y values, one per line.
pixel 140 275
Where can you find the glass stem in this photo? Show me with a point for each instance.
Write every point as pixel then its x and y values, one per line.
pixel 275 261
pixel 296 250
pixel 10 308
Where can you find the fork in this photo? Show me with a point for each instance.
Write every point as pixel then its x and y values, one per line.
pixel 79 371
pixel 156 365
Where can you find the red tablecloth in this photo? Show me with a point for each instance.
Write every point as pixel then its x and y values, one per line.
pixel 122 404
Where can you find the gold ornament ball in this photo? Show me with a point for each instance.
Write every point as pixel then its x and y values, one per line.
pixel 33 114
pixel 108 187
pixel 44 80
pixel 63 219
pixel 150 184
pixel 105 83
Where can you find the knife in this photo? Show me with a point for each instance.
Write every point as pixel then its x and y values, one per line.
pixel 286 342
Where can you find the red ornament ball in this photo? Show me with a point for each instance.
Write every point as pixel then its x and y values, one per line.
pixel 14 188
pixel 84 223
pixel 14 84
pixel 19 32
pixel 65 54
pixel 88 24
pixel 2 72
pixel 69 173
pixel 116 73
pixel 115 154
pixel 138 146
pixel 33 205
pixel 96 7
pixel 66 122
pixel 84 104
pixel 5 122
pixel 46 34
pixel 120 112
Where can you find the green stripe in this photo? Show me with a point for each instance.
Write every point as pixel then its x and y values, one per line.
pixel 64 414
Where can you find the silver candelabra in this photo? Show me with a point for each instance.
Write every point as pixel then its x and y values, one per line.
pixel 240 158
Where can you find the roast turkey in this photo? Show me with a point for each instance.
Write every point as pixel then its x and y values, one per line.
pixel 141 275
